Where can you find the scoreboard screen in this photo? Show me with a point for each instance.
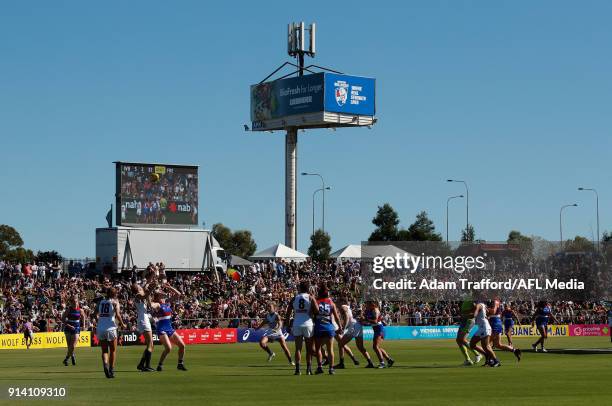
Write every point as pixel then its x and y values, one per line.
pixel 156 194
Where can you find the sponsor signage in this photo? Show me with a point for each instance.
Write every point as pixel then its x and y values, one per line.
pixel 189 336
pixel 589 330
pixel 42 340
pixel 554 330
pixel 316 93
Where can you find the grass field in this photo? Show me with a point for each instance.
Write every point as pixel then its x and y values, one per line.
pixel 426 372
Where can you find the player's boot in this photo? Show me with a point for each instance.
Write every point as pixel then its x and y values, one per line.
pixel 370 365
pixel 382 365
pixel 544 349
pixel 534 347
pixel 147 369
pixel 308 371
pixel 477 359
pixel 356 362
pixel 65 361
pixel 106 371
pixel 468 363
pixel 319 371
pixel 331 371
pixel 271 356
pixel 390 362
pixel 325 362
pixel 339 365
pixel 517 353
pixel 159 368
pixel 73 360
pixel 297 370
pixel 495 364
pixel 111 373
pixel 181 367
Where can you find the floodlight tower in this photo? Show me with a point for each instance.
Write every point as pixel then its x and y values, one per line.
pixel 296 47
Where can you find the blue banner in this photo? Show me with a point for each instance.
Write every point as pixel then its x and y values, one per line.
pixel 350 94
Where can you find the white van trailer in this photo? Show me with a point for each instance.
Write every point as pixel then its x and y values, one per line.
pixel 120 248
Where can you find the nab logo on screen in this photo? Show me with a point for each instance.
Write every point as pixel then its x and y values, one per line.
pixel 183 208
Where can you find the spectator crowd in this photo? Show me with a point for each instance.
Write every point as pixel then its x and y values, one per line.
pixel 38 293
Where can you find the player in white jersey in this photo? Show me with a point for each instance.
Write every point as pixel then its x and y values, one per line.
pixel 351 329
pixel 108 313
pixel 483 334
pixel 142 302
pixel 303 308
pixel 274 332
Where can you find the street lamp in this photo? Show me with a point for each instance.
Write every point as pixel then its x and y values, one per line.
pixel 597 208
pixel 561 223
pixel 467 202
pixel 313 201
pixel 323 188
pixel 447 201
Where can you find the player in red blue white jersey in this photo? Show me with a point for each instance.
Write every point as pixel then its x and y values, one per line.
pixel 162 312
pixel 495 312
pixel 373 317
pixel 541 317
pixel 508 316
pixel 610 322
pixel 73 319
pixel 324 330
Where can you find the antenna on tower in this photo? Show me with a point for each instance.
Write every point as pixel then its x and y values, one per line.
pixel 296 39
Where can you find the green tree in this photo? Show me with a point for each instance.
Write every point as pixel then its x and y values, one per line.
pixel 468 234
pixel 320 247
pixel 223 235
pixel 579 244
pixel 243 244
pixel 240 242
pixel 422 229
pixel 524 243
pixel 9 240
pixel 20 255
pixel 48 257
pixel 386 221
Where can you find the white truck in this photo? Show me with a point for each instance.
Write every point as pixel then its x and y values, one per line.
pixel 120 248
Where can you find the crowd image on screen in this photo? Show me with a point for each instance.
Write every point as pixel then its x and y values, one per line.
pixel 153 198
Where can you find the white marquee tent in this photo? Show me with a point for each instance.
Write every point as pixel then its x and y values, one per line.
pixel 355 251
pixel 279 251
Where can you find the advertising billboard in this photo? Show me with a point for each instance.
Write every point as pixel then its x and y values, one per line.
pixel 311 94
pixel 156 194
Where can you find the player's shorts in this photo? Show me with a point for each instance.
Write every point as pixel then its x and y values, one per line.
pixel 379 331
pixel 273 334
pixel 165 331
pixel 107 335
pixel 28 334
pixel 71 333
pixel 144 325
pixel 496 325
pixel 508 325
pixel 465 326
pixel 484 330
pixel 303 330
pixel 353 330
pixel 324 330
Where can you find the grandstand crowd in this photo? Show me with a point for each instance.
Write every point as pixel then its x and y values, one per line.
pixel 38 293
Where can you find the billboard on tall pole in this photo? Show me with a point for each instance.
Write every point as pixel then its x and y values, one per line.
pixel 326 99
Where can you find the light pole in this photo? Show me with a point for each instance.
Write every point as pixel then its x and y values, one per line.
pixel 323 188
pixel 467 202
pixel 313 204
pixel 597 208
pixel 561 222
pixel 447 201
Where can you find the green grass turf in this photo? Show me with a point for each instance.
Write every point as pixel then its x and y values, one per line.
pixel 426 372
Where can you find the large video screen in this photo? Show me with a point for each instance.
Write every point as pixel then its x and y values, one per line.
pixel 156 194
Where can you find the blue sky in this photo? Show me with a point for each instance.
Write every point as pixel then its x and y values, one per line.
pixel 514 97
